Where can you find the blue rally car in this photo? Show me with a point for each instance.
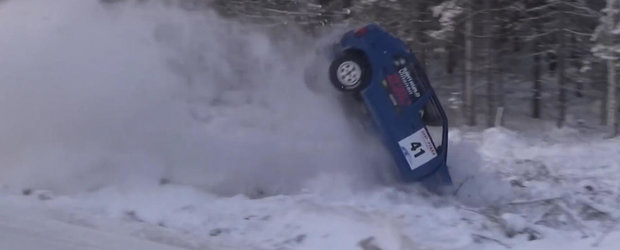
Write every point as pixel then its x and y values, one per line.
pixel 383 72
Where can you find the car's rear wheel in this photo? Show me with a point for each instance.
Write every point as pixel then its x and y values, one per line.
pixel 350 72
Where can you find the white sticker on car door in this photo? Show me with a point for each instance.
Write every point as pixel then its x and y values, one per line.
pixel 418 148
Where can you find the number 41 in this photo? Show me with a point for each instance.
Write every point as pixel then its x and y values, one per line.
pixel 416 147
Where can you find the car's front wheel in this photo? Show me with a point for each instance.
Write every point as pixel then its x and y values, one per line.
pixel 350 72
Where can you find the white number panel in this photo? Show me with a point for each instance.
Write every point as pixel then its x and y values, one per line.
pixel 418 148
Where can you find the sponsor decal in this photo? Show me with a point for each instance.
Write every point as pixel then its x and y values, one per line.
pixel 403 88
pixel 429 143
pixel 398 90
pixel 410 85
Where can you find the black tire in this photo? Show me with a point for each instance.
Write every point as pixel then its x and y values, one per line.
pixel 350 58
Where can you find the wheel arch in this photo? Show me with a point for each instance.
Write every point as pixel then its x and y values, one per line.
pixel 356 52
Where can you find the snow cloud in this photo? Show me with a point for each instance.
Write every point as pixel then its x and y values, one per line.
pixel 94 94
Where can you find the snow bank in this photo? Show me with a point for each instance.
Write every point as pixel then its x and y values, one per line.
pixel 474 184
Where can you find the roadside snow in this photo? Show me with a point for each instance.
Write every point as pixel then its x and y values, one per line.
pixel 547 209
pixel 543 208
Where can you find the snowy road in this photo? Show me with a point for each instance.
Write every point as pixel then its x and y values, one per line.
pixel 39 233
pixel 26 228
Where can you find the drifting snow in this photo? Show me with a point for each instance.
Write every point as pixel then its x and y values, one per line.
pixel 194 132
pixel 95 94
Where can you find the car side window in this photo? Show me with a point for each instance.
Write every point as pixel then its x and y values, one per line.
pixel 431 117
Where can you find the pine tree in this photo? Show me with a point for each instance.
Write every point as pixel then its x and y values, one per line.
pixel 558 33
pixel 607 48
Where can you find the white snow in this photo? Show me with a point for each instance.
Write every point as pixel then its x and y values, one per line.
pixel 141 126
pixel 28 229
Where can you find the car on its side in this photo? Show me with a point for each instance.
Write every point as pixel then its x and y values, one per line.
pixel 382 71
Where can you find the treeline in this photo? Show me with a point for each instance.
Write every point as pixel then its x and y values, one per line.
pixel 562 50
pixel 560 54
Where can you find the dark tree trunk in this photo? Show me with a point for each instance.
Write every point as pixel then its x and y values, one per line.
pixel 490 61
pixel 451 59
pixel 491 93
pixel 604 109
pixel 420 29
pixel 469 104
pixel 561 78
pixel 500 96
pixel 537 88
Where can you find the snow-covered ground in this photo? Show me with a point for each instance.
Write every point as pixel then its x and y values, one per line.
pixel 530 194
pixel 25 226
pixel 140 126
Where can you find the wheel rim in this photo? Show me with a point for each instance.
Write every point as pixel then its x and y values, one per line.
pixel 349 74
